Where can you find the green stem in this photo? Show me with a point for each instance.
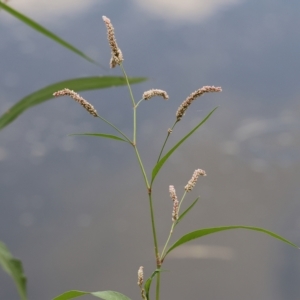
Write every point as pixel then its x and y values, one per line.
pixel 181 200
pixel 110 124
pixel 154 232
pixel 146 182
pixel 162 149
pixel 142 167
pixel 157 258
pixel 133 104
pixel 158 263
pixel 168 239
pixel 157 285
pixel 172 229
pixel 139 103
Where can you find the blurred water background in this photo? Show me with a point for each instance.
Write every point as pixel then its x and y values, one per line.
pixel 75 210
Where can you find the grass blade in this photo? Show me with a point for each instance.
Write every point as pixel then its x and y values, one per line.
pixel 186 211
pixel 45 31
pixel 205 231
pixel 14 268
pixel 77 84
pixel 109 136
pixel 105 295
pixel 168 154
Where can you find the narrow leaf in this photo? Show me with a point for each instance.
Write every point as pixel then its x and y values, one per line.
pixel 14 268
pixel 186 211
pixel 110 295
pixel 109 136
pixel 70 295
pixel 45 31
pixel 46 93
pixel 205 231
pixel 148 282
pixel 168 154
pixel 105 295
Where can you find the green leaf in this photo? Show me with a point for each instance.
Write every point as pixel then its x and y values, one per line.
pixel 109 136
pixel 149 281
pixel 77 84
pixel 186 211
pixel 14 268
pixel 44 31
pixel 105 295
pixel 168 154
pixel 205 231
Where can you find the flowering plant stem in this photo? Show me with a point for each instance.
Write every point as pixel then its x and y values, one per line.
pixel 157 257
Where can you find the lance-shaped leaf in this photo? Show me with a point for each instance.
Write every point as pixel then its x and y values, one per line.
pixel 77 84
pixel 186 211
pixel 168 154
pixel 44 31
pixel 104 135
pixel 205 231
pixel 14 268
pixel 105 295
pixel 149 281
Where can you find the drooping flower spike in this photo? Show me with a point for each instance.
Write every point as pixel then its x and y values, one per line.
pixel 88 107
pixel 188 101
pixel 192 182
